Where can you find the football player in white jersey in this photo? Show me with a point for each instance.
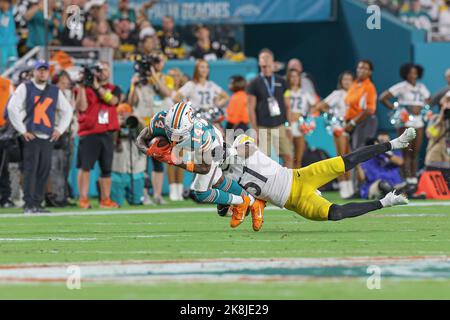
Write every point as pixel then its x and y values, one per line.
pixel 200 91
pixel 335 105
pixel 412 96
pixel 203 144
pixel 296 189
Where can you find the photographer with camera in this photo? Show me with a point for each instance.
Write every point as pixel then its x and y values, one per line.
pixel 150 92
pixel 129 165
pixel 438 132
pixel 96 102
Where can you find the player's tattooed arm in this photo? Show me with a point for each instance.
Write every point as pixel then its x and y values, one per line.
pixel 199 165
pixel 143 139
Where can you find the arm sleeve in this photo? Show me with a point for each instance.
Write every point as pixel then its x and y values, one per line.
pixel 66 112
pixel 15 108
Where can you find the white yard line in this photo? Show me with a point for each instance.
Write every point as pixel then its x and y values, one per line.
pixel 48 239
pixel 224 269
pixel 172 210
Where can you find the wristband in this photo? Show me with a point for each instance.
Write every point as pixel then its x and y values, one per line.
pixel 190 166
pixel 107 96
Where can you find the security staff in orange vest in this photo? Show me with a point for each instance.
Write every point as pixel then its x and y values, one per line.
pixel 32 111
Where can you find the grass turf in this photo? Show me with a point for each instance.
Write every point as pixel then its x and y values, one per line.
pixel 399 231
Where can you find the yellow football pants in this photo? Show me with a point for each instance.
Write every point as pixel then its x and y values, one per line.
pixel 303 198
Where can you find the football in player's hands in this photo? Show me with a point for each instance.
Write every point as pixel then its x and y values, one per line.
pixel 159 146
pixel 160 142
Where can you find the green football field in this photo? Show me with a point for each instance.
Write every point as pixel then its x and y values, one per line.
pixel 186 251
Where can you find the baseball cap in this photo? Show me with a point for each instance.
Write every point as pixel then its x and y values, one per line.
pixel 146 32
pixel 93 3
pixel 41 64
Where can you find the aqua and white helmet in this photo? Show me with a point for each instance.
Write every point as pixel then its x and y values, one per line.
pixel 179 122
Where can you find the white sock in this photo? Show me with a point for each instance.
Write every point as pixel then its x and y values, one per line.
pixel 343 189
pixel 236 199
pixel 384 202
pixel 173 191
pixel 350 188
pixel 179 188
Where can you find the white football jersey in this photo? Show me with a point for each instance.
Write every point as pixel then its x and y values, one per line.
pixel 201 96
pixel 301 101
pixel 261 176
pixel 409 95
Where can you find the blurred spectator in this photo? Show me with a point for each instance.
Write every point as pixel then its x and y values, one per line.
pixel 124 12
pixel 97 117
pixel 6 138
pixel 438 149
pixel 207 49
pixel 269 109
pixel 57 192
pixel 105 38
pixel 437 97
pixel 307 83
pixel 175 174
pixel 412 96
pixel 129 39
pixel 40 101
pixel 8 45
pixel 200 91
pixel 444 22
pixel 148 92
pixel 432 8
pixel 361 121
pixel 169 39
pixel 149 42
pixel 36 23
pixel 300 103
pixel 416 16
pixel 381 174
pixel 237 110
pixel 335 105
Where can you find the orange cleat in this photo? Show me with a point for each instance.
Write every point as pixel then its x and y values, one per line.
pixel 257 210
pixel 239 212
pixel 108 204
pixel 84 203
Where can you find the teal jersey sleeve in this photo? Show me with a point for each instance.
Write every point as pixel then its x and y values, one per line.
pixel 157 125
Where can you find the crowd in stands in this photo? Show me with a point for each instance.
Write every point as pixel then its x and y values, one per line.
pixel 429 15
pixel 126 29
